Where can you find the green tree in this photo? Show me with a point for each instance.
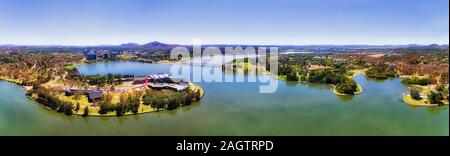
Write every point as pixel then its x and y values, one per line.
pixel 446 93
pixel 105 108
pixel 435 98
pixel 86 111
pixel 68 109
pixel 303 78
pixel 292 76
pixel 135 108
pixel 347 87
pixel 120 109
pixel 61 108
pixel 77 108
pixel 416 81
pixel 147 99
pixel 415 94
pixel 440 88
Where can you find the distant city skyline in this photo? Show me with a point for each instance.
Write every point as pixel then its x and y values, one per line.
pixel 249 22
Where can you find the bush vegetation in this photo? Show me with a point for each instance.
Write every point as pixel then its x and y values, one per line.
pixel 416 81
pixel 170 101
pixel 435 98
pixel 97 79
pixel 415 94
pixel 381 72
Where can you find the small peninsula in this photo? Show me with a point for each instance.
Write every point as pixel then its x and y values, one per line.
pixel 53 80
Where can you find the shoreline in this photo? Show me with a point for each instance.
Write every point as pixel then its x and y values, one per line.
pixel 149 109
pixel 359 90
pixel 18 82
pixel 420 103
pixel 424 90
pixel 84 62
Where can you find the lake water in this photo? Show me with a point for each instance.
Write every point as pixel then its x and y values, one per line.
pixel 237 109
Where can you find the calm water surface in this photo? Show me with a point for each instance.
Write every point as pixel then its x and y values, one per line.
pixel 237 109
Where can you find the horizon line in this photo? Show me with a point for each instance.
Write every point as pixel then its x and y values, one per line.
pixel 243 44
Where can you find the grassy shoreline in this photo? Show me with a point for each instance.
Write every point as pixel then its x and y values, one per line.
pixel 2 78
pixel 83 62
pixel 424 90
pixel 359 90
pixel 423 103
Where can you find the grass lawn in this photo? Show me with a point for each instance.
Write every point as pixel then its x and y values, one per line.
pixel 409 100
pixel 93 111
pixel 71 66
pixel 281 77
pixel 354 73
pixel 424 102
pixel 423 89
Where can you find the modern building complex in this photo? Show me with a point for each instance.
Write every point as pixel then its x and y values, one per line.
pixel 155 82
pixel 92 95
pixel 91 55
pixel 162 81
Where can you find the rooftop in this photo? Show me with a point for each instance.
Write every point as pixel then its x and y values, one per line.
pixel 95 95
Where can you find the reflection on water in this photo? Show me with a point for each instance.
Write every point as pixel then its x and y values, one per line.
pixel 346 98
pixel 317 85
pixel 437 110
pixel 291 84
pixel 86 120
pixel 378 80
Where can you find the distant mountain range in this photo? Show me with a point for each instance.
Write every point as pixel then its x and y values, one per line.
pixel 152 45
pixel 130 45
pixel 159 45
pixel 163 46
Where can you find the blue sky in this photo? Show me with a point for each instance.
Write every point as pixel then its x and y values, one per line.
pixel 294 22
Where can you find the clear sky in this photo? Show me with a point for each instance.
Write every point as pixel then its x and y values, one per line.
pixel 294 22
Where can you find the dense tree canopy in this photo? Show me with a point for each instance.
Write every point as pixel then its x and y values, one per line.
pixel 347 87
pixel 86 111
pixel 170 101
pixel 435 98
pixel 416 81
pixel 97 79
pixel 292 76
pixel 415 94
pixel 381 71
